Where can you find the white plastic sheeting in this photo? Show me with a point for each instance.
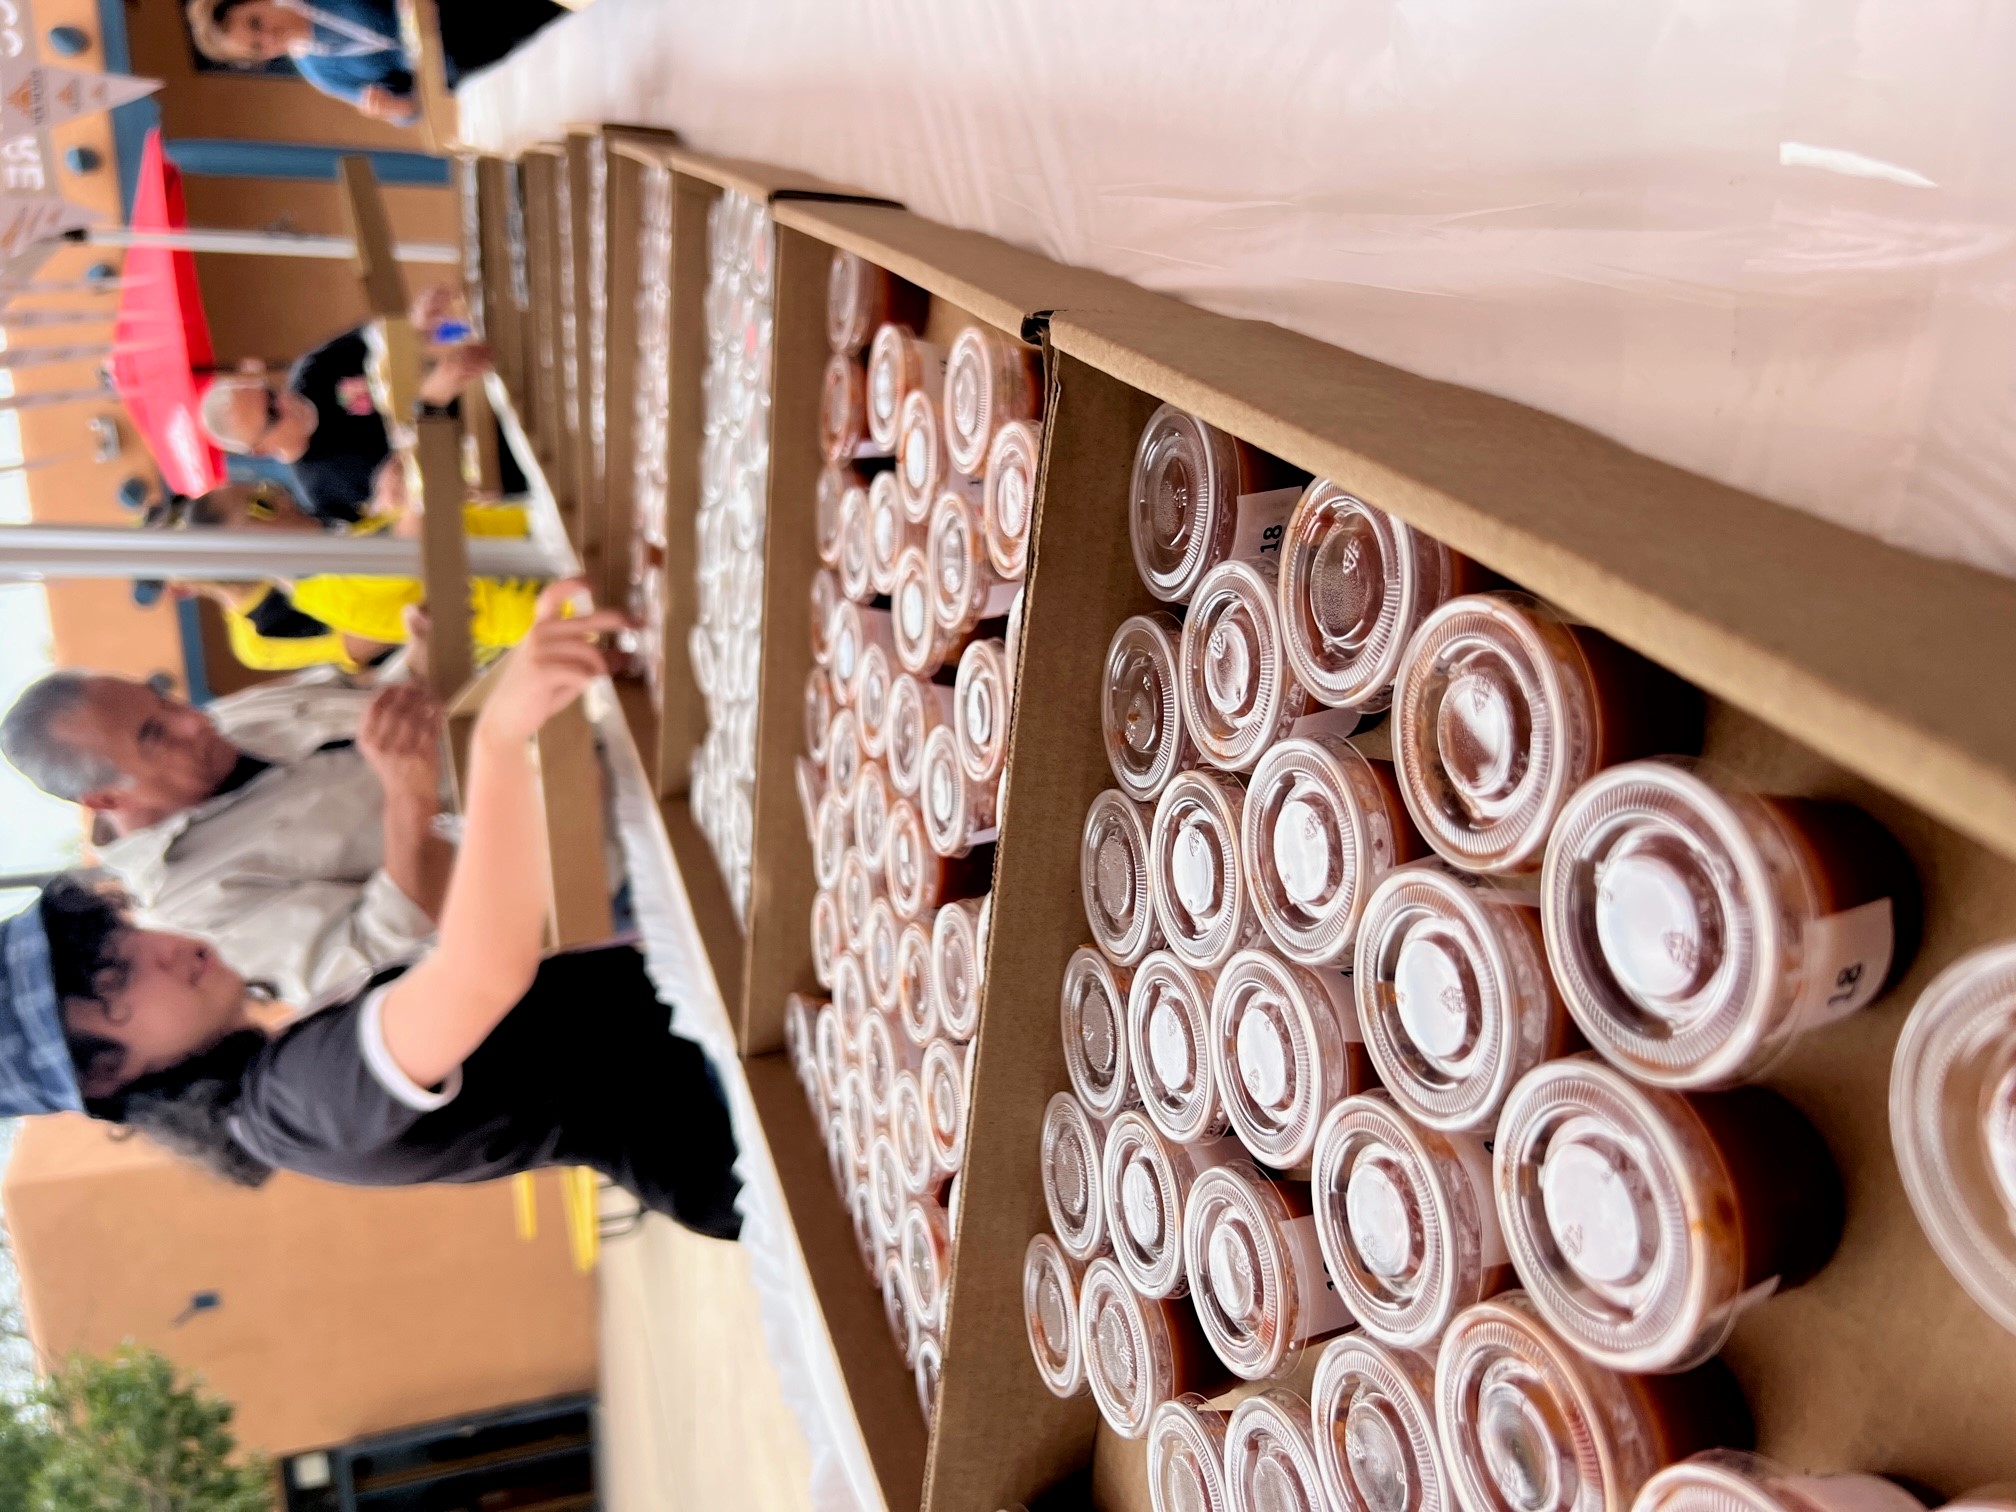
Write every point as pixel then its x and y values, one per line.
pixel 1773 241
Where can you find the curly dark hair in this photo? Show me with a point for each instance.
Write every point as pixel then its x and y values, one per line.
pixel 185 1109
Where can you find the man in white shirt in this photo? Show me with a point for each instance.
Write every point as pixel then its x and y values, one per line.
pixel 293 823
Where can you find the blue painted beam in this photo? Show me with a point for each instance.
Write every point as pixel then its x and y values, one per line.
pixel 218 157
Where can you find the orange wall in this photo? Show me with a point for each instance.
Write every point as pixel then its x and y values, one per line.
pixel 344 1311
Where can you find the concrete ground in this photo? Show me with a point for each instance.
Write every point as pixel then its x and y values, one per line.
pixel 691 1413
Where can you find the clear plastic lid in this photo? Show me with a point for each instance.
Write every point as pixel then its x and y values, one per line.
pixel 1093 1013
pixel 1322 824
pixel 856 564
pixel 1626 1218
pixel 910 867
pixel 1953 1122
pixel 1186 1457
pixel 916 708
pixel 860 886
pixel 1454 996
pixel 799 1013
pixel 1355 584
pixel 1373 1410
pixel 825 594
pixel 1183 509
pixel 843 410
pixel 1008 498
pixel 886 1189
pixel 872 801
pixel 859 297
pixel 1284 1048
pixel 910 1132
pixel 1050 1281
pixel 1200 895
pixel 1070 1166
pixel 921 646
pixel 898 362
pixel 809 777
pixel 833 832
pixel 990 379
pixel 1138 1353
pixel 982 704
pixel 1234 686
pixel 858 1203
pixel 1730 1480
pixel 1270 1455
pixel 959 813
pixel 831 1055
pixel 928 1368
pixel 1113 859
pixel 1495 723
pixel 1407 1219
pixel 943 1078
pixel 1139 706
pixel 1692 928
pixel 819 710
pixel 889 534
pixel 879 961
pixel 1529 1425
pixel 1169 1048
pixel 835 480
pixel 875 1054
pixel 874 682
pixel 857 1119
pixel 921 463
pixel 1256 1272
pixel 898 1310
pixel 1146 1181
pixel 956 967
pixel 854 629
pixel 916 1003
pixel 965 589
pixel 925 1244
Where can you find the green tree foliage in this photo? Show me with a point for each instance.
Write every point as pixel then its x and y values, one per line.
pixel 125 1434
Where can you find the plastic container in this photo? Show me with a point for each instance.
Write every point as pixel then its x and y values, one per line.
pixel 1953 1122
pixel 872 802
pixel 899 362
pixel 1146 1181
pixel 819 710
pixel 887 1197
pixel 843 411
pixel 1092 1013
pixel 965 589
pixel 959 813
pixel 1169 1048
pixel 916 708
pixel 1373 1411
pixel 1140 709
pixel 910 1132
pixel 928 1368
pixel 1186 1457
pixel 1644 1222
pixel 1192 505
pixel 889 534
pixel 844 759
pixel 1503 709
pixel 923 471
pixel 1321 826
pixel 1139 1353
pixel 860 886
pixel 850 994
pixel 1355 584
pixel 854 629
pixel 1454 996
pixel 1529 1425
pixel 1113 878
pixel 835 481
pixel 921 644
pixel 920 880
pixel 956 967
pixel 1201 902
pixel 1071 1150
pixel 860 298
pixel 875 1054
pixel 855 567
pixel 874 683
pixel 1407 1219
pixel 879 955
pixel 898 1311
pixel 1697 929
pixel 925 1244
pixel 858 1202
pixel 1256 1270
pixel 827 945
pixel 809 778
pixel 830 1057
pixel 832 833
pixel 1730 1480
pixel 990 380
pixel 983 704
pixel 825 595
pixel 1284 1050
pixel 943 1080
pixel 1270 1455
pixel 1050 1284
pixel 916 1006
pixel 1008 496
pixel 1233 682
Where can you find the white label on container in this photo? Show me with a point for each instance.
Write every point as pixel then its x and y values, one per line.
pixel 935 358
pixel 1000 599
pixel 1338 722
pixel 1338 988
pixel 983 837
pixel 1847 958
pixel 1476 1158
pixel 1263 523
pixel 1851 1493
pixel 1323 1308
pixel 973 490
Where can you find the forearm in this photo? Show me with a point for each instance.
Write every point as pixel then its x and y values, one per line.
pixel 499 896
pixel 418 860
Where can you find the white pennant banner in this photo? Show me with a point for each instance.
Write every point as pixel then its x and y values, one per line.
pixel 36 96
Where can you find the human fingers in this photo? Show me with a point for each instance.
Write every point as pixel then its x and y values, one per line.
pixel 555 596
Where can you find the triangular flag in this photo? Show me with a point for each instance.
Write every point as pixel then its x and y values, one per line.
pixel 42 356
pixel 29 218
pixel 36 96
pixel 43 398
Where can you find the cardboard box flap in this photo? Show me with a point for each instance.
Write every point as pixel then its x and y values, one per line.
pixel 1871 655
pixel 760 181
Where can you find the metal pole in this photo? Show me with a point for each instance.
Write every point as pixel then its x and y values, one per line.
pixel 32 553
pixel 259 243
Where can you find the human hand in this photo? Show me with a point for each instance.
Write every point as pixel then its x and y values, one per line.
pixel 434 304
pixel 400 738
pixel 458 366
pixel 547 670
pixel 381 104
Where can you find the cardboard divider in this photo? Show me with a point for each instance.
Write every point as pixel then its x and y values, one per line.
pixel 503 324
pixel 552 434
pixel 586 157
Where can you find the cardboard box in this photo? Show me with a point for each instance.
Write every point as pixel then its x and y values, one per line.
pixel 501 314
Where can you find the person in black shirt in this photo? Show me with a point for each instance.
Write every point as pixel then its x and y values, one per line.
pixel 479 1060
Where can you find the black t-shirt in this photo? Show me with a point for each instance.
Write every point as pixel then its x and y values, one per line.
pixel 276 618
pixel 333 476
pixel 584 1071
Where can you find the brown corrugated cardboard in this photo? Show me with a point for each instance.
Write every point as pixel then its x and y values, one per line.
pixel 760 181
pixel 619 463
pixel 503 322
pixel 539 170
pixel 586 154
pixel 1871 655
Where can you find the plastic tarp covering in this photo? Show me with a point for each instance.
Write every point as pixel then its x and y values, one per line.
pixel 1773 241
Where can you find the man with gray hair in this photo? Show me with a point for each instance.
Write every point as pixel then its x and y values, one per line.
pixel 293 823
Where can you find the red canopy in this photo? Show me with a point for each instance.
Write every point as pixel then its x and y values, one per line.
pixel 162 358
